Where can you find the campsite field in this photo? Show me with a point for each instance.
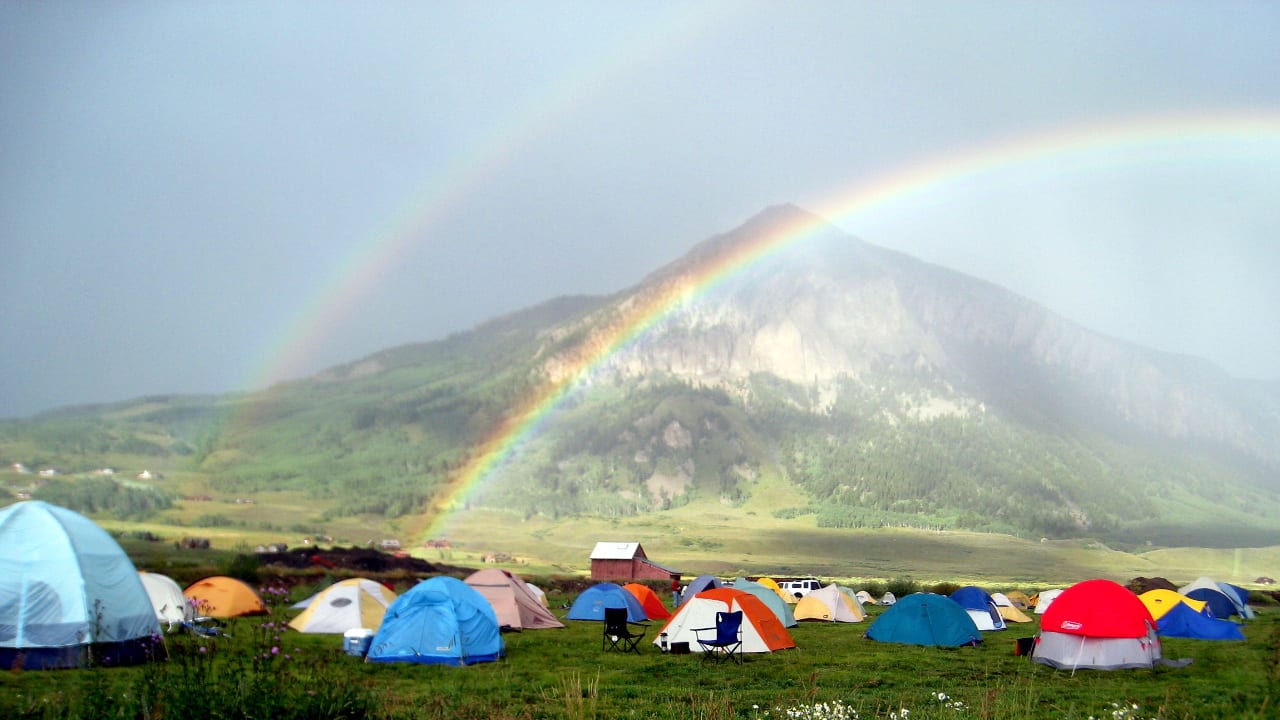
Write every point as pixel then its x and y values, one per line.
pixel 833 673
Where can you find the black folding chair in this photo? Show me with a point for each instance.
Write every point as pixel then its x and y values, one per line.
pixel 727 643
pixel 617 631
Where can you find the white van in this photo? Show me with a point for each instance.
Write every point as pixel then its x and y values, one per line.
pixel 800 588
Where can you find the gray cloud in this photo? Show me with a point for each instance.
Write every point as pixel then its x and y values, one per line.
pixel 186 188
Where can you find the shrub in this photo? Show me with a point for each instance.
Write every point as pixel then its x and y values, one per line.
pixel 242 567
pixel 944 588
pixel 902 587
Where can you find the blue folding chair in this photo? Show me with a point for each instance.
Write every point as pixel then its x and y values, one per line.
pixel 727 643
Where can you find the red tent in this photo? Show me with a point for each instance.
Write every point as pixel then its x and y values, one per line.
pixel 653 606
pixel 1097 624
pixel 1098 608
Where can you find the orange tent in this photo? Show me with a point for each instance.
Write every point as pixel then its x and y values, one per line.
pixel 762 631
pixel 653 606
pixel 222 597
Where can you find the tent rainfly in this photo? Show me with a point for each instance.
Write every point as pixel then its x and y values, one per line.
pixel 68 589
pixel 515 604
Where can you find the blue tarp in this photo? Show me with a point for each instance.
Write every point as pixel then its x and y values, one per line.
pixel 591 603
pixel 925 619
pixel 66 585
pixel 440 621
pixel 1181 621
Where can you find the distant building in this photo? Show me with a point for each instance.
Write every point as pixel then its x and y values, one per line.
pixel 20 468
pixel 626 561
pixel 389 544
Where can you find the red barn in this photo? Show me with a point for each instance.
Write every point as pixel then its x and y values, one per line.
pixel 626 561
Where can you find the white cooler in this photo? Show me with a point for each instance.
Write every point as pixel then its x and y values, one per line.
pixel 356 641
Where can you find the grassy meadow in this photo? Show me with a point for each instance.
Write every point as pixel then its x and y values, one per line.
pixel 260 670
pixel 833 673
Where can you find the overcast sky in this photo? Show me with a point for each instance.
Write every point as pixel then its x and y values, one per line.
pixel 209 196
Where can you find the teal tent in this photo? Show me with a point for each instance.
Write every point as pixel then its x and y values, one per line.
pixel 925 619
pixel 68 592
pixel 771 599
pixel 440 621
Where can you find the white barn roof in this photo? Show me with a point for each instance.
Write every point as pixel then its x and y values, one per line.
pixel 615 551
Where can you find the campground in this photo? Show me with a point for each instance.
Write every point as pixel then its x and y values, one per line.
pixel 564 673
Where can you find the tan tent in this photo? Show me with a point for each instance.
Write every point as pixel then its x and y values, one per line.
pixel 774 586
pixel 828 604
pixel 1018 599
pixel 1043 599
pixel 350 604
pixel 516 606
pixel 1007 610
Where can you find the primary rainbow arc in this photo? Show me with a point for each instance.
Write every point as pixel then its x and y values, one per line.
pixel 1174 132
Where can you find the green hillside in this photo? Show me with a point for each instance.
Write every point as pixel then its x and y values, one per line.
pixel 379 438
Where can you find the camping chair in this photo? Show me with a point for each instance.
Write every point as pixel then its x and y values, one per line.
pixel 204 627
pixel 617 631
pixel 727 642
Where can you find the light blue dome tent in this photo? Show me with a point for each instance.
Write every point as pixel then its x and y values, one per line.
pixel 68 593
pixel 440 621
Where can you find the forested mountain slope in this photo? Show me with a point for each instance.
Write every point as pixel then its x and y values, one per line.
pixel 886 390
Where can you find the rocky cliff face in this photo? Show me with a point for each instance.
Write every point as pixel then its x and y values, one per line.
pixel 829 307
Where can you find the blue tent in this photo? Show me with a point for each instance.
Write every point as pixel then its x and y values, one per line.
pixel 972 597
pixel 1241 597
pixel 1181 621
pixel 591 603
pixel 925 619
pixel 1219 604
pixel 67 588
pixel 700 583
pixel 440 621
pixel 981 608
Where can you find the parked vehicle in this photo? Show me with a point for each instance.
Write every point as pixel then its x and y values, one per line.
pixel 800 588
